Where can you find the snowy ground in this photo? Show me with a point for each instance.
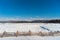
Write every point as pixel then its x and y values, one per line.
pixel 34 27
pixel 31 38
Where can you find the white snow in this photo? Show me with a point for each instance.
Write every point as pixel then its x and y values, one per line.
pixel 31 38
pixel 34 27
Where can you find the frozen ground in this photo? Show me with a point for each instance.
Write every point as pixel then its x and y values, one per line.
pixel 31 38
pixel 34 27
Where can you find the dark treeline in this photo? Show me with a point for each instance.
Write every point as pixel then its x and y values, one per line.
pixel 33 21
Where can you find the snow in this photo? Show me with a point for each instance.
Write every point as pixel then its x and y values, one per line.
pixel 34 27
pixel 32 38
pixel 25 27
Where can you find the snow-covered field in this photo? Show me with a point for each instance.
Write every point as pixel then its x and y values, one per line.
pixel 31 38
pixel 34 27
pixel 25 27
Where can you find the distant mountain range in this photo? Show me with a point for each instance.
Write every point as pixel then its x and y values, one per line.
pixel 32 21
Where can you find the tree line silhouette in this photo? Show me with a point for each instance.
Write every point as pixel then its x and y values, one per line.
pixel 33 21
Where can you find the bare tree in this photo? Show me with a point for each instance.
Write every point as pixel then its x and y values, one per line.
pixel 17 33
pixel 3 33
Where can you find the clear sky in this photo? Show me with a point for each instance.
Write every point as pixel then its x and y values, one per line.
pixel 30 8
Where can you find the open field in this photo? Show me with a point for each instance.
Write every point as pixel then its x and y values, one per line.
pixel 25 27
pixel 31 38
pixel 33 27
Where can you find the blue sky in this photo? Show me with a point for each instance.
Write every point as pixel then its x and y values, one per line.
pixel 30 8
